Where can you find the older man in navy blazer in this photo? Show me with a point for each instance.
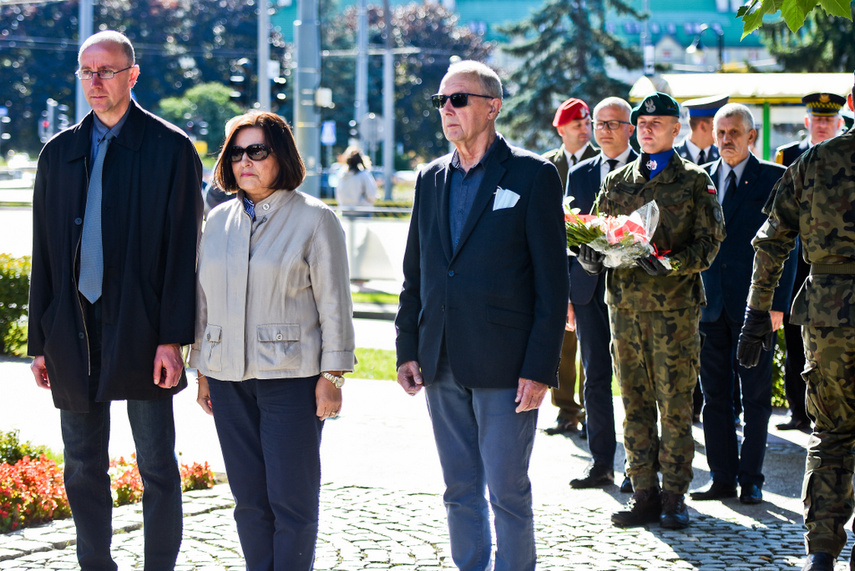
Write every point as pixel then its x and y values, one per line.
pixel 481 316
pixel 743 183
pixel 587 312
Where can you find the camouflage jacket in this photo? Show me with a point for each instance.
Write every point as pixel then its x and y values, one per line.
pixel 814 201
pixel 691 227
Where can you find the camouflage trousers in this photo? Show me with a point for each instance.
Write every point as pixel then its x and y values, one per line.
pixel 655 357
pixel 827 490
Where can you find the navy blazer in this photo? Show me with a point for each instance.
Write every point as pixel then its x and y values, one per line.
pixel 728 279
pixel 683 150
pixel 499 301
pixel 583 184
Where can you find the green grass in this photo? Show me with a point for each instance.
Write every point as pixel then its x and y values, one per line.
pixel 375 364
pixel 374 297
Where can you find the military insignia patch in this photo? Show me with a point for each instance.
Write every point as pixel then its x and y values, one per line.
pixel 711 189
pixel 651 165
pixel 650 106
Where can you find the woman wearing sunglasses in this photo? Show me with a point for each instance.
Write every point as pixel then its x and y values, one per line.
pixel 274 335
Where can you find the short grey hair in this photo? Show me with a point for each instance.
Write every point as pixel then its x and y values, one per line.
pixel 110 37
pixel 615 102
pixel 735 109
pixel 488 78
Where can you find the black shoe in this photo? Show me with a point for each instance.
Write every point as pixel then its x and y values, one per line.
pixel 751 494
pixel 583 432
pixel 794 424
pixel 562 427
pixel 626 485
pixel 819 562
pixel 675 515
pixel 642 508
pixel 714 491
pixel 596 476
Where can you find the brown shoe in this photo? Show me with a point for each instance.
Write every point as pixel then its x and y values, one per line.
pixel 674 512
pixel 642 508
pixel 563 427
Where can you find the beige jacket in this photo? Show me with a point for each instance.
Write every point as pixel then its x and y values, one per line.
pixel 273 295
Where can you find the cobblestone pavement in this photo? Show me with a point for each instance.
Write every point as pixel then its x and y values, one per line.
pixel 372 528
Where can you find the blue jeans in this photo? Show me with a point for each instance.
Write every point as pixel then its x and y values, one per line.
pixel 483 443
pixel 87 483
pixel 271 440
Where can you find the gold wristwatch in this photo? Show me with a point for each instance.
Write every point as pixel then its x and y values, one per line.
pixel 337 381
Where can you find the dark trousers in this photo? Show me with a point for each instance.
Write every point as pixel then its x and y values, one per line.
pixel 592 330
pixel 794 365
pixel 87 483
pixel 271 439
pixel 721 374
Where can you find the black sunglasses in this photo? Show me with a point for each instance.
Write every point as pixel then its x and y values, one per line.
pixel 457 99
pixel 256 152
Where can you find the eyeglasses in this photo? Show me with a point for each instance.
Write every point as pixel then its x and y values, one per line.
pixel 609 125
pixel 457 99
pixel 256 152
pixel 86 74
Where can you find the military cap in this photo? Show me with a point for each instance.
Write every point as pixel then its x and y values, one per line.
pixel 823 104
pixel 705 106
pixel 569 110
pixel 657 104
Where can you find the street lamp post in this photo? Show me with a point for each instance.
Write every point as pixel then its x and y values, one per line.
pixel 696 47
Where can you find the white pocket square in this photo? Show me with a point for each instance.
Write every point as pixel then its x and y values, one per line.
pixel 505 198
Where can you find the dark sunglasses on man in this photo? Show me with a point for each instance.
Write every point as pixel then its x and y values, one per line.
pixel 256 152
pixel 458 100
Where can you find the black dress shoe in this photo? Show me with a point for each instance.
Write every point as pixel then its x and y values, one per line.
pixel 562 427
pixel 674 512
pixel 819 562
pixel 793 424
pixel 714 491
pixel 751 494
pixel 596 476
pixel 626 485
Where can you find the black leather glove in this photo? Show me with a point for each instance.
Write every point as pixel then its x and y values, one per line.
pixel 652 265
pixel 591 260
pixel 756 332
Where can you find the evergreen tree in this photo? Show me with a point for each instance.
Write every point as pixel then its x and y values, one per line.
pixel 825 44
pixel 562 50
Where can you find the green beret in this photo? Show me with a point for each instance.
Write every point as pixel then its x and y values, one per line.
pixel 656 104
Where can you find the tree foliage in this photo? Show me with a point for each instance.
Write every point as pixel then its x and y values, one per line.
pixel 563 48
pixel 179 44
pixel 825 44
pixel 430 28
pixel 794 12
pixel 203 111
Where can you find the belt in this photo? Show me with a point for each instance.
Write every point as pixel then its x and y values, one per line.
pixel 838 269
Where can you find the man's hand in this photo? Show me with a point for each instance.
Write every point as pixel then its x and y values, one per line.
pixel 652 265
pixel 756 332
pixel 777 319
pixel 40 372
pixel 529 394
pixel 168 365
pixel 591 260
pixel 571 318
pixel 203 394
pixel 410 377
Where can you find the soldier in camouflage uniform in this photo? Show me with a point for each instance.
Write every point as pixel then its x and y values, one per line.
pixel 654 312
pixel 815 202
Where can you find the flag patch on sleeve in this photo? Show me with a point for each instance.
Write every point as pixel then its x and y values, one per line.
pixel 711 189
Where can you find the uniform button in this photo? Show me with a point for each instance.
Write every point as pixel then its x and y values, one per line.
pixel 78 221
pixel 451 274
pixel 265 207
pixel 81 335
pixel 279 337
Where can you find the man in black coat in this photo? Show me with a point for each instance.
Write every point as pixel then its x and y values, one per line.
pixel 116 211
pixel 743 184
pixel 481 316
pixel 587 313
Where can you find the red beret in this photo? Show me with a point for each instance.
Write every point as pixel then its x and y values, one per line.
pixel 571 109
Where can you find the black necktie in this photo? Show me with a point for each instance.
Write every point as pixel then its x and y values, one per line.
pixel 612 164
pixel 702 157
pixel 731 189
pixel 573 160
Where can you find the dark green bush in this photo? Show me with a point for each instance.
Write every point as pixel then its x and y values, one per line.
pixel 12 449
pixel 14 294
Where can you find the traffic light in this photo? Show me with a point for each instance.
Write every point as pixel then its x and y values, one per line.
pixel 47 123
pixel 241 73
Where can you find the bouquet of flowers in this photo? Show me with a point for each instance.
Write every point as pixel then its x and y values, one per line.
pixel 623 239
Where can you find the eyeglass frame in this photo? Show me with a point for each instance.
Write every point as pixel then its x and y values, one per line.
pixel 604 125
pixel 438 100
pixel 262 147
pixel 93 73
